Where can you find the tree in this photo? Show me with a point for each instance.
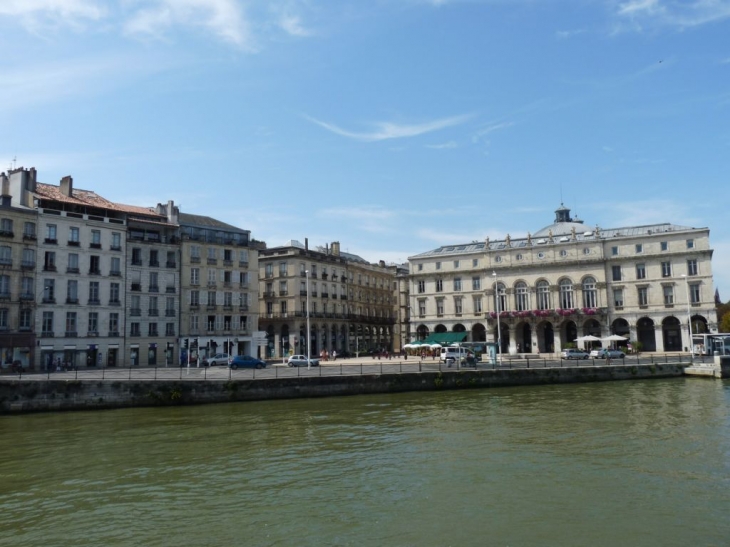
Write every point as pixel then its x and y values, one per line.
pixel 725 322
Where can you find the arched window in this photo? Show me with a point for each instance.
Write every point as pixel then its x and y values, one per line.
pixel 590 297
pixel 543 295
pixel 522 297
pixel 566 294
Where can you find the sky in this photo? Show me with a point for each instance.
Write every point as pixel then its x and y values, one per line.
pixel 391 126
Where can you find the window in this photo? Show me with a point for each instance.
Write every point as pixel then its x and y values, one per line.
pixel 28 258
pixel 135 307
pixel 692 267
pixel 194 323
pixel 618 298
pixel 154 282
pixel 116 241
pixel 475 262
pixel 4 286
pixel 640 271
pixel 93 322
pixel 690 243
pixel 212 276
pixel 543 295
pixel 6 256
pixel 29 230
pixel 27 288
pixel 566 294
pixel 243 256
pixel 519 255
pixel 456 264
pixel 195 298
pixel 439 285
pixel 154 258
pixel 586 251
pixel 211 298
pixel 136 257
pixel 154 309
pixel 614 251
pixel 26 319
pixel 6 226
pixel 440 306
pixel 212 253
pixel 522 297
pixel 668 292
pixel 438 265
pixel 643 296
pixel 47 325
pixel 563 252
pixel 51 233
pixel 590 296
pixel 195 253
pixel 3 318
pixel 49 291
pixel 477 303
pixel 458 305
pixel 664 246
pixel 114 293
pixel 457 284
pixel 94 265
pixel 113 324
pixel 71 323
pixel 694 293
pixel 498 259
pixel 420 267
pixel 639 248
pixel 666 269
pixel 72 291
pixel 73 236
pixel 134 329
pixel 422 308
pixel 49 261
pixel 116 268
pixel 94 292
pixel 152 329
pixel 616 273
pixel 269 270
pixel 228 299
pixel 195 276
pixel 501 298
pixel 476 283
pixel 96 239
pixel 421 287
pixel 282 269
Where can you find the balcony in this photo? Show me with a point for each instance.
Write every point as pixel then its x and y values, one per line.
pixel 115 248
pixel 325 295
pixel 115 273
pixel 136 262
pixel 269 294
pixel 171 264
pixel 71 334
pixel 73 243
pixel 92 334
pixel 242 264
pixel 47 334
pixel 29 236
pixel 212 262
pixel 5 295
pixel 169 313
pixel 154 263
pixel 73 270
pixel 154 288
pixel 135 312
pixel 170 290
pixel 27 265
pixel 115 302
pixel 194 260
pixel 136 286
pixel 113 334
pixel 94 271
pixel 49 268
pixel 50 241
pixel 95 246
pixel 49 300
pixel 135 333
pixel 153 312
pixel 6 233
pixel 27 296
pixel 72 301
pixel 93 302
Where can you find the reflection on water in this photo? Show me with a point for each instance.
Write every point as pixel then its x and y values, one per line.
pixel 623 463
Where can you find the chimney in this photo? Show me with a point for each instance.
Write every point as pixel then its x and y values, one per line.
pixel 67 186
pixel 306 243
pixel 335 248
pixel 382 263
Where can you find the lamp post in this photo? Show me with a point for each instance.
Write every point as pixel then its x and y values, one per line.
pixel 309 336
pixel 689 319
pixel 499 327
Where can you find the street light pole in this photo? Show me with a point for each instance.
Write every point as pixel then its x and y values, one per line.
pixel 309 336
pixel 499 326
pixel 689 319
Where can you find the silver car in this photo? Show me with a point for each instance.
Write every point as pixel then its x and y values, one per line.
pixel 604 353
pixel 574 354
pixel 217 359
pixel 302 361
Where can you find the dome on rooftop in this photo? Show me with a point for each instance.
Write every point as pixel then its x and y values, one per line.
pixel 564 225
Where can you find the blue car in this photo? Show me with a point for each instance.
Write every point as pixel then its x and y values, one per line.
pixel 246 361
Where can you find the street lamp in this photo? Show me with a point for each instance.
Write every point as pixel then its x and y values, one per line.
pixel 689 319
pixel 309 336
pixel 499 327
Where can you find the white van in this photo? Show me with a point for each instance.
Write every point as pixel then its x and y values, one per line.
pixel 456 354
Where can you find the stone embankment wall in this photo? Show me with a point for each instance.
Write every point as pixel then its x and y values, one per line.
pixel 17 396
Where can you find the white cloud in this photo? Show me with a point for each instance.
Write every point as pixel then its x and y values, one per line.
pixel 292 24
pixel 686 14
pixel 388 130
pixel 224 18
pixel 442 146
pixel 35 15
pixel 479 135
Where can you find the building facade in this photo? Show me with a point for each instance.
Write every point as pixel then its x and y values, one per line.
pixel 219 279
pixel 645 283
pixel 345 303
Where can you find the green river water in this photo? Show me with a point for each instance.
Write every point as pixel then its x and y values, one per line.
pixel 611 464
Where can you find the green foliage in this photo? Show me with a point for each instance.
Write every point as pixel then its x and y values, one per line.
pixel 725 322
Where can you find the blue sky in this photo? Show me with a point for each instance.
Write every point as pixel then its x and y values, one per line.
pixel 391 126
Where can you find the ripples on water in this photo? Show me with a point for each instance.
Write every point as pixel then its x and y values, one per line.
pixel 624 463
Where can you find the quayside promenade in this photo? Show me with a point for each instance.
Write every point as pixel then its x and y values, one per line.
pixel 160 386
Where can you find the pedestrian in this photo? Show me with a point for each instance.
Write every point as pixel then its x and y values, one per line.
pixel 608 357
pixel 334 355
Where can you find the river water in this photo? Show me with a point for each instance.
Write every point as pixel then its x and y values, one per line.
pixel 610 464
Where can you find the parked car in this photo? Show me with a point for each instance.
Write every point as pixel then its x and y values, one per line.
pixel 302 361
pixel 450 354
pixel 246 361
pixel 574 354
pixel 612 353
pixel 217 359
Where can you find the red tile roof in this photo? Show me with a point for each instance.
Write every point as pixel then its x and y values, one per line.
pixel 90 199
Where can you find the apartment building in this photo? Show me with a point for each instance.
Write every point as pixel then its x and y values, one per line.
pixel 219 288
pixel 346 303
pixel 644 282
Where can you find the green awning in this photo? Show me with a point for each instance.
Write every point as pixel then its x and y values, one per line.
pixel 445 338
